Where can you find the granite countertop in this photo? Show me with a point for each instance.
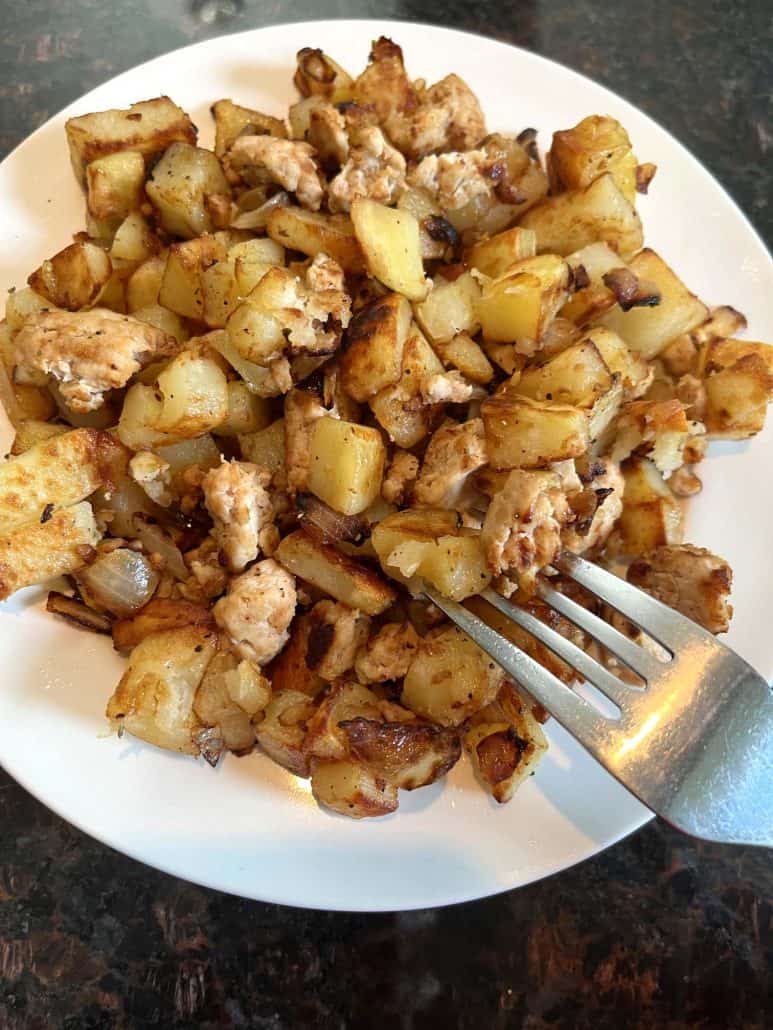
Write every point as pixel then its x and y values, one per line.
pixel 659 930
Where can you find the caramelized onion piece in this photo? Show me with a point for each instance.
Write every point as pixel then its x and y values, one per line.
pixel 156 541
pixel 120 582
pixel 324 523
pixel 631 292
pixel 77 612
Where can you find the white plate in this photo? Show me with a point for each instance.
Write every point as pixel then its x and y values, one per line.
pixel 249 828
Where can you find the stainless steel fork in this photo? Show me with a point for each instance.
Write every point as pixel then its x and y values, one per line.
pixel 695 744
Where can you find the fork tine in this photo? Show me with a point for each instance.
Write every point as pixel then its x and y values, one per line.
pixel 635 657
pixel 657 620
pixel 593 672
pixel 571 710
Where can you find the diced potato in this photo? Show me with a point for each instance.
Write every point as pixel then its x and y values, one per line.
pixel 266 447
pixel 220 293
pixel 134 241
pixel 247 413
pixel 73 278
pixel 57 472
pixel 114 185
pixel 290 670
pixel 407 754
pixel 200 450
pixel 37 551
pixel 30 432
pixel 144 284
pixel 281 731
pixel 334 573
pixel 450 308
pixel 450 678
pixel 599 212
pixel 148 127
pixel 651 514
pixel 23 304
pixel 347 464
pixel 180 182
pixel 376 338
pixel 681 355
pixel 437 237
pixel 155 697
pixel 351 789
pixel 657 429
pixel 263 380
pixel 739 386
pixel 398 408
pixel 494 256
pixel 595 145
pixel 344 700
pixel 465 354
pixel 521 304
pixel 524 433
pixel 648 330
pixel 592 262
pixel 505 744
pixel 231 121
pixel 318 75
pixel 635 374
pixel 161 318
pixel 428 544
pixel 160 615
pixel 215 708
pixel 248 688
pixel 578 376
pixel 313 233
pixel 181 286
pixel 390 241
pixel 260 250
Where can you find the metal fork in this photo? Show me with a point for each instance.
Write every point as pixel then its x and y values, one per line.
pixel 695 744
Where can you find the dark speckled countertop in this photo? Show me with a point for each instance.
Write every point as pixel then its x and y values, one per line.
pixel 659 930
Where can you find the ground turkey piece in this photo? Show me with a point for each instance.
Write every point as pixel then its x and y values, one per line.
pixel 690 579
pixel 454 453
pixel 89 352
pixel 317 309
pixel 448 117
pixel 257 611
pixel 236 498
pixel 288 163
pixel 597 507
pixel 446 388
pixel 336 633
pixel 388 654
pixel 374 169
pixel 453 180
pixel 400 476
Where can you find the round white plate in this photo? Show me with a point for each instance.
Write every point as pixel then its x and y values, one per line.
pixel 249 827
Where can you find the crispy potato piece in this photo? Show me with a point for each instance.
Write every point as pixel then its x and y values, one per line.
pixel 159 615
pixel 406 754
pixel 634 372
pixel 214 707
pixel 590 265
pixel 147 127
pixel 313 233
pixel 73 278
pixel 29 433
pixel 521 304
pixel 524 433
pixel 399 408
pixel 179 185
pixel 318 75
pixel 390 242
pixel 181 288
pixel 266 447
pixel 596 145
pixel 325 739
pixel 144 284
pixel 496 255
pixel 58 472
pixel 376 343
pixel 505 744
pixel 647 331
pixel 351 789
pixel 282 730
pixel 133 243
pixel 599 212
pixel 347 464
pixel 680 357
pixel 450 308
pixel 246 412
pixel 155 697
pixel 114 185
pixel 169 322
pixel 450 678
pixel 21 305
pixel 651 514
pixel 334 573
pixel 658 429
pixel 690 579
pixel 739 386
pixel 37 551
pixel 290 670
pixel 231 121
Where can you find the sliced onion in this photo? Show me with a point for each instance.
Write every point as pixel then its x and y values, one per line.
pixel 258 218
pixel 119 582
pixel 156 541
pixel 331 525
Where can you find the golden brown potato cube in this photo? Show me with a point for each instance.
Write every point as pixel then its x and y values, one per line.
pixel 351 789
pixel 290 670
pixel 181 287
pixel 155 697
pixel 29 433
pixel 178 186
pixel 738 379
pixel 599 212
pixel 114 185
pixel 390 242
pixel 194 395
pixel 651 514
pixel 595 145
pixel 634 372
pixel 37 551
pixel 147 127
pixel 524 433
pixel 231 121
pixel 398 408
pixel 347 464
pixel 318 75
pixel 450 308
pixel 376 341
pixel 144 284
pixel 160 614
pixel 133 243
pixel 73 278
pixel 161 318
pixel 57 472
pixel 313 233
pixel 344 700
pixel 334 573
pixel 521 304
pixel 450 678
pixel 246 412
pixel 407 754
pixel 657 429
pixel 465 354
pixel 266 447
pixel 648 330
pixel 591 263
pixel 215 708
pixel 680 357
pixel 23 304
pixel 281 731
pixel 505 744
pixel 495 256
pixel 220 293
